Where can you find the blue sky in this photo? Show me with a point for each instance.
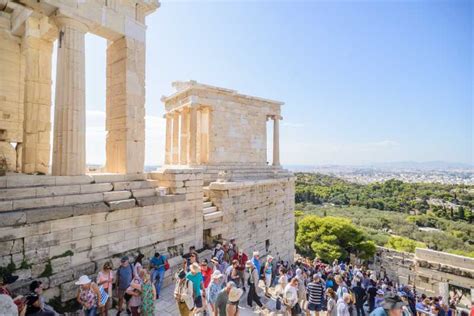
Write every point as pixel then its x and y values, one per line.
pixel 368 81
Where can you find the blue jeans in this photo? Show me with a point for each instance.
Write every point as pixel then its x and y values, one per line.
pixel 91 311
pixel 158 283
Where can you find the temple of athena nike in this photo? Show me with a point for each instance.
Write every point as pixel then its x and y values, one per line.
pixel 57 221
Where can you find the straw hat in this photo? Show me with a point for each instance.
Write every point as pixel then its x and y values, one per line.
pixel 216 275
pixel 256 253
pixel 235 294
pixel 215 260
pixel 84 279
pixel 195 268
pixel 249 264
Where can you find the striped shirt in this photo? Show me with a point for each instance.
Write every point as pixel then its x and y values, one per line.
pixel 315 292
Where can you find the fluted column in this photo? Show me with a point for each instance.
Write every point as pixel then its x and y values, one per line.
pixel 168 139
pixel 69 149
pixel 183 156
pixel 192 136
pixel 276 140
pixel 204 135
pixel 175 156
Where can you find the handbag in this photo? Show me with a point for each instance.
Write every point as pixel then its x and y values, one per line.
pixel 167 265
pixel 296 310
pixel 103 295
pixel 278 304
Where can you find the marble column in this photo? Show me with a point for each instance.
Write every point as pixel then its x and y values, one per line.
pixel 69 149
pixel 183 155
pixel 168 149
pixel 37 51
pixel 276 140
pixel 192 136
pixel 125 106
pixel 175 155
pixel 204 149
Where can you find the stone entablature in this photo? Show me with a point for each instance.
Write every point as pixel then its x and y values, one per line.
pixel 212 126
pixel 27 31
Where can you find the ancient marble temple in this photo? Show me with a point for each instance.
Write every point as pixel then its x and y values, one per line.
pixel 57 221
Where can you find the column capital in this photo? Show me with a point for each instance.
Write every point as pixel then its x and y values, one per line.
pixel 274 117
pixel 62 20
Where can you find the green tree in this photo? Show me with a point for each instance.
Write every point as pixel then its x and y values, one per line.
pixel 332 238
pixel 403 244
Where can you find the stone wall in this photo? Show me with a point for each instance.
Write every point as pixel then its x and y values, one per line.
pixel 59 237
pixel 257 214
pixel 432 272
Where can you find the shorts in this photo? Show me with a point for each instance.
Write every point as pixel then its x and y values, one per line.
pixel 198 301
pixel 268 280
pixel 315 307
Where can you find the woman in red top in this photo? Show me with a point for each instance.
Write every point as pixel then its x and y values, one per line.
pixel 206 272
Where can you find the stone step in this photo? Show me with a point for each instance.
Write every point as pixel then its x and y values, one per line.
pixel 208 210
pixel 206 204
pixel 205 199
pixel 212 216
pixel 134 185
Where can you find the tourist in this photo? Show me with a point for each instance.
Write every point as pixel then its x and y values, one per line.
pixel 252 281
pixel 222 300
pixel 290 298
pixel 233 249
pixel 34 306
pixel 5 280
pixel 234 273
pixel 148 294
pixel 331 302
pixel 360 296
pixel 268 271
pixel 218 253
pixel 190 258
pixel 371 294
pixel 194 275
pixel 105 279
pixel 242 259
pixel 232 308
pixel 330 283
pixel 215 264
pixel 392 306
pixel 315 292
pixel 158 265
pixel 206 272
pixel 301 288
pixel 341 287
pixel 138 265
pixel 88 296
pixel 343 305
pixel 214 289
pixel 379 298
pixel 134 292
pixel 124 277
pixel 183 294
pixel 36 288
pixel 8 306
pixel 256 261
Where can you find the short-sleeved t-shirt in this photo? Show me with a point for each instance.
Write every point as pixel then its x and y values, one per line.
pixel 196 279
pixel 221 302
pixel 125 276
pixel 159 262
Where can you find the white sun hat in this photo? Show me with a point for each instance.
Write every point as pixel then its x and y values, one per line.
pixel 84 279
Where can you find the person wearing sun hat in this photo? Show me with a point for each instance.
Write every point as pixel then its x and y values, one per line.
pixel 195 276
pixel 214 288
pixel 254 290
pixel 232 308
pixel 88 295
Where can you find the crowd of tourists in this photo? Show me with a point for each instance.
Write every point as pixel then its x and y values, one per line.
pixel 231 279
pixel 307 287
